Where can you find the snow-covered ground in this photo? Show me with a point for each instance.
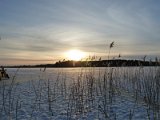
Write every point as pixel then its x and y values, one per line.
pixel 80 93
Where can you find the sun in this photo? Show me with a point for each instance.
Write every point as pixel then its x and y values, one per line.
pixel 75 55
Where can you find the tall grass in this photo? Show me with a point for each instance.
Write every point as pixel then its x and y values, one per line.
pixel 89 91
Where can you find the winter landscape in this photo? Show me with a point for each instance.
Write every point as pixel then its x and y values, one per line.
pixel 79 60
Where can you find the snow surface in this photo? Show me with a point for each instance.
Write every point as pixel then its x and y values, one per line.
pixel 39 94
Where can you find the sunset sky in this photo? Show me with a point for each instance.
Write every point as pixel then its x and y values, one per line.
pixel 42 31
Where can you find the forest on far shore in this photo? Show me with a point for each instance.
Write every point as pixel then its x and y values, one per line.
pixel 101 63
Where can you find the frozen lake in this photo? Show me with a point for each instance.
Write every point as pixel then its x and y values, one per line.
pixel 81 93
pixel 24 74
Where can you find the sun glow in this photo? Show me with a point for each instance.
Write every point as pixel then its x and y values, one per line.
pixel 75 55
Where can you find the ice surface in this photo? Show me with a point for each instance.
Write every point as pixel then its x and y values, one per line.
pixel 68 93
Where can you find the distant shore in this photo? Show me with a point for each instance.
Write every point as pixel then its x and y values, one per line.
pixel 102 63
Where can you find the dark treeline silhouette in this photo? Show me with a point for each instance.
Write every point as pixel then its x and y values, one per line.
pixel 102 63
pixel 105 63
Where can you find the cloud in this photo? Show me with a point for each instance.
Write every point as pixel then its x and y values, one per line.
pixel 52 27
